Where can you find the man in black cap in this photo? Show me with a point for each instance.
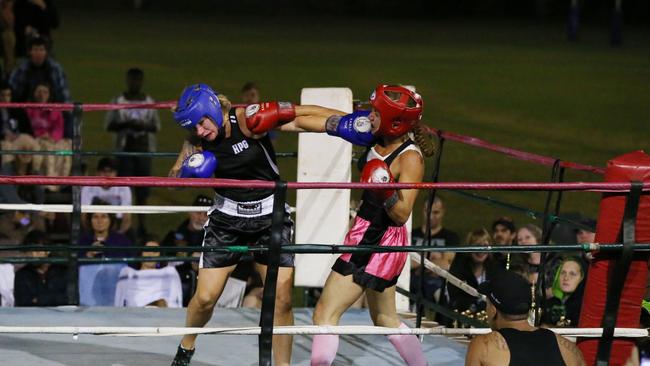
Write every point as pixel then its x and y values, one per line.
pixel 514 341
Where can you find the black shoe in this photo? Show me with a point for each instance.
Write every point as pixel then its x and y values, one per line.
pixel 183 357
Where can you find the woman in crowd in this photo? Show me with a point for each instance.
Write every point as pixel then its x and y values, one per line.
pixel 48 128
pixel 473 268
pixel 102 233
pixel 528 235
pixel 563 309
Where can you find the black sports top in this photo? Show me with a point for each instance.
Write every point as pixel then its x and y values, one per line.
pixel 241 157
pixel 536 348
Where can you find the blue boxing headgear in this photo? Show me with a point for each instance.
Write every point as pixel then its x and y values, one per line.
pixel 196 102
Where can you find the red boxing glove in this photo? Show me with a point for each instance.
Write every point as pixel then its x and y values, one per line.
pixel 377 171
pixel 262 117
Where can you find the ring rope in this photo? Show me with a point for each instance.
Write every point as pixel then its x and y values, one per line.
pixel 610 187
pixel 451 279
pixel 467 140
pixel 295 330
pixel 140 209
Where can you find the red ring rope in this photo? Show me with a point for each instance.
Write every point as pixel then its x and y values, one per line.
pixel 230 183
pixel 467 140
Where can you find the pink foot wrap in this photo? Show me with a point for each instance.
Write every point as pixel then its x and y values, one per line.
pixel 409 348
pixel 323 349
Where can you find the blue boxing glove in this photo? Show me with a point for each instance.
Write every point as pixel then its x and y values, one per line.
pixel 354 127
pixel 199 165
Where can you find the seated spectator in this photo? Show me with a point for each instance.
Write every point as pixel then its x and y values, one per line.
pixel 101 233
pixel 37 69
pixel 563 309
pixel 40 284
pixel 20 165
pixel 440 237
pixel 188 272
pixel 7 23
pixel 188 234
pixel 584 235
pixel 190 231
pixel 116 196
pixel 34 19
pixel 149 283
pixel 16 225
pixel 474 269
pixel 13 119
pixel 48 128
pixel 504 232
pixel 135 131
pixel 528 235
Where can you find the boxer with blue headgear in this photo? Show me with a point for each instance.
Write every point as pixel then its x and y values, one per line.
pixel 196 103
pixel 220 145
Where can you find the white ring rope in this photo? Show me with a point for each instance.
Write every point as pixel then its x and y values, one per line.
pixel 298 330
pixel 105 208
pixel 451 279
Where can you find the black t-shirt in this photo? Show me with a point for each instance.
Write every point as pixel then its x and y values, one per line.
pixel 442 238
pixel 538 347
pixel 243 158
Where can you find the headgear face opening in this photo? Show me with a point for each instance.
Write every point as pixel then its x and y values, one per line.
pixel 196 102
pixel 400 109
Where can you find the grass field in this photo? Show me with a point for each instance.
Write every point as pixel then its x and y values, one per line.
pixel 515 84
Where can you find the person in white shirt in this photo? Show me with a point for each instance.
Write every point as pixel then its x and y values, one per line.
pixel 7 275
pixel 149 284
pixel 117 196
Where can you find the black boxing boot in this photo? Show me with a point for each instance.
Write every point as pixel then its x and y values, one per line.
pixel 183 356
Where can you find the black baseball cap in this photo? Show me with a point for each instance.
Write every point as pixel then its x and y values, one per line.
pixel 505 221
pixel 509 292
pixel 202 200
pixel 586 223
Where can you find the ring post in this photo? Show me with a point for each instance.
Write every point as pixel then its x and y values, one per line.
pixel 75 220
pixel 268 297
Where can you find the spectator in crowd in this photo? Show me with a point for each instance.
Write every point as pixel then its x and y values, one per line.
pixel 48 128
pixel 473 268
pixel 528 235
pixel 7 23
pixel 190 231
pixel 116 196
pixel 34 19
pixel 149 283
pixel 513 340
pixel 587 233
pixel 101 233
pixel 135 131
pixel 40 68
pixel 440 237
pixel 188 234
pixel 16 134
pixel 40 284
pixel 16 225
pixel 12 118
pixel 250 94
pixel 563 309
pixel 504 232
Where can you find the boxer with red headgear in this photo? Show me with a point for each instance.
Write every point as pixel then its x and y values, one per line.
pixel 391 156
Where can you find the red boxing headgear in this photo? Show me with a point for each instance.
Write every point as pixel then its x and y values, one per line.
pixel 400 109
